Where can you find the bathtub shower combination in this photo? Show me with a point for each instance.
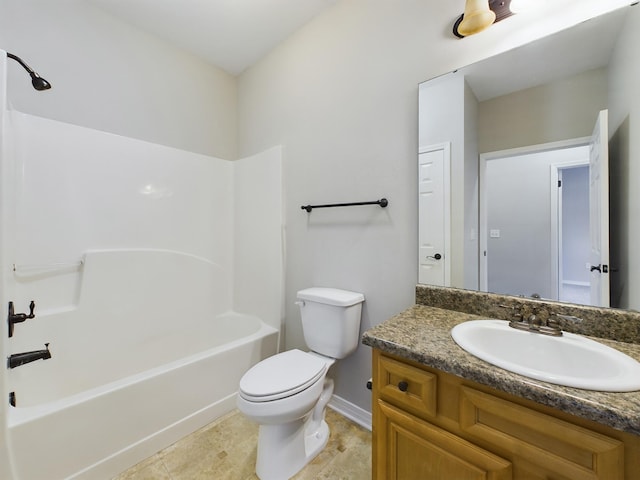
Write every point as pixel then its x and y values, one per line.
pixel 128 251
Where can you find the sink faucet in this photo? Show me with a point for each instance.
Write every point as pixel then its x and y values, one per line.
pixel 531 320
pixel 18 359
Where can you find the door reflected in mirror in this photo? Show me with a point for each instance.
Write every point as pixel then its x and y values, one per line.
pixel 534 205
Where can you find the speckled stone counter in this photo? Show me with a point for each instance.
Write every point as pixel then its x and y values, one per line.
pixel 611 323
pixel 422 334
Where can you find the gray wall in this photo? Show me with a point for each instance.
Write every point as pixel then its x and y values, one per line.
pixel 559 110
pixel 624 113
pixel 110 76
pixel 441 119
pixel 341 96
pixel 470 238
pixel 447 112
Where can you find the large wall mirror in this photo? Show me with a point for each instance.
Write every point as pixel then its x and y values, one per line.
pixel 519 131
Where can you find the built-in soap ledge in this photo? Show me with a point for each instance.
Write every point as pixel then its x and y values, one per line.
pixel 54 286
pixel 609 323
pixel 27 270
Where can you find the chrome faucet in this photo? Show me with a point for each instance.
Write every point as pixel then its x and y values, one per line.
pixel 18 359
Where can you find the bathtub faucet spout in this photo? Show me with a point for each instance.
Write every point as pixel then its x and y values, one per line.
pixel 18 359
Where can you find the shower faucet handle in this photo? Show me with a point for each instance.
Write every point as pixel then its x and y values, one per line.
pixel 21 317
pixel 13 318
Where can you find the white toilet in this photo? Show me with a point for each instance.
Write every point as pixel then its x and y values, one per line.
pixel 287 393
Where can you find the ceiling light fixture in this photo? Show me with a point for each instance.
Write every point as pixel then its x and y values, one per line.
pixel 479 15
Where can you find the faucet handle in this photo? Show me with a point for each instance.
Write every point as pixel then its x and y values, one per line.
pixel 552 322
pixel 568 318
pixel 13 317
pixel 515 311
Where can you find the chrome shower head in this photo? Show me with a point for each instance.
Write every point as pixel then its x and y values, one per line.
pixel 37 81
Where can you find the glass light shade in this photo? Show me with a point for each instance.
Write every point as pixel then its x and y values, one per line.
pixel 477 17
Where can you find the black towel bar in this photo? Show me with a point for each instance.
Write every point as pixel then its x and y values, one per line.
pixel 383 202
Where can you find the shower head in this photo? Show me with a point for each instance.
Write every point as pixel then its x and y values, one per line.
pixel 37 81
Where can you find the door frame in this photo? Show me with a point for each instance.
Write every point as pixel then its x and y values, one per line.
pixel 483 228
pixel 556 226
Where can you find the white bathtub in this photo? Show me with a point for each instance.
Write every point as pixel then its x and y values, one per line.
pixel 102 431
pixel 129 374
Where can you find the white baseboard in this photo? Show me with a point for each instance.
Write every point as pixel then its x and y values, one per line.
pixel 353 412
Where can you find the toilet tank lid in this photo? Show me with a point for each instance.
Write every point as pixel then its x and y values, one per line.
pixel 331 296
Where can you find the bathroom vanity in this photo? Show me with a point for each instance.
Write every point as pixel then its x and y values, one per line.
pixel 439 412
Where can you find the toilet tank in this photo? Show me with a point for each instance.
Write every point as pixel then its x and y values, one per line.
pixel 331 320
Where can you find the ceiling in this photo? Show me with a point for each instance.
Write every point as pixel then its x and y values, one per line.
pixel 232 34
pixel 586 46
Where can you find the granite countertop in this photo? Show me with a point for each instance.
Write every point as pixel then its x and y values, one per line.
pixel 422 334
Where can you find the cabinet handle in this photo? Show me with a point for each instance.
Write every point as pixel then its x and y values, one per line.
pixel 403 386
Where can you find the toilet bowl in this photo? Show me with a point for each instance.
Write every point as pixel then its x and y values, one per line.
pixel 284 387
pixel 287 394
pixel 290 413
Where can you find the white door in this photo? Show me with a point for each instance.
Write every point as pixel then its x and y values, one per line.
pixel 434 215
pixel 599 211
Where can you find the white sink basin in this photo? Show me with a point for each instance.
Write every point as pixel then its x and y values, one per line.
pixel 569 360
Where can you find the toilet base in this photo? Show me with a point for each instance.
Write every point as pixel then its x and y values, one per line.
pixel 283 450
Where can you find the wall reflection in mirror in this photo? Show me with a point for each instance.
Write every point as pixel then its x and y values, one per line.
pixel 542 147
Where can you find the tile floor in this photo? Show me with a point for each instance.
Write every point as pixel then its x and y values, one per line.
pixel 226 450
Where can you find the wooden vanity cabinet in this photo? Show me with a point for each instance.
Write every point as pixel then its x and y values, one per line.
pixel 430 425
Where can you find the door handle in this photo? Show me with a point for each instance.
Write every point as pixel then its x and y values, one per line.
pixel 600 268
pixel 437 256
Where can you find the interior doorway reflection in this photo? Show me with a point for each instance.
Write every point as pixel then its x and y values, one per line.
pixel 534 222
pixel 574 283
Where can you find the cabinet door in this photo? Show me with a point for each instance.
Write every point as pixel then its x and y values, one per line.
pixel 407 448
pixel 550 447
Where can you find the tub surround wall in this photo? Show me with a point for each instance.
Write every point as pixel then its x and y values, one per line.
pixel 133 314
pixel 128 250
pixel 79 189
pixel 5 460
pixel 259 224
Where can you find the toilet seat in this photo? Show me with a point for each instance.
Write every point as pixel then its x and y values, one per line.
pixel 281 376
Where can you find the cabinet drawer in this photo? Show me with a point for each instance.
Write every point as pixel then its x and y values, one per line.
pixel 555 446
pixel 407 386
